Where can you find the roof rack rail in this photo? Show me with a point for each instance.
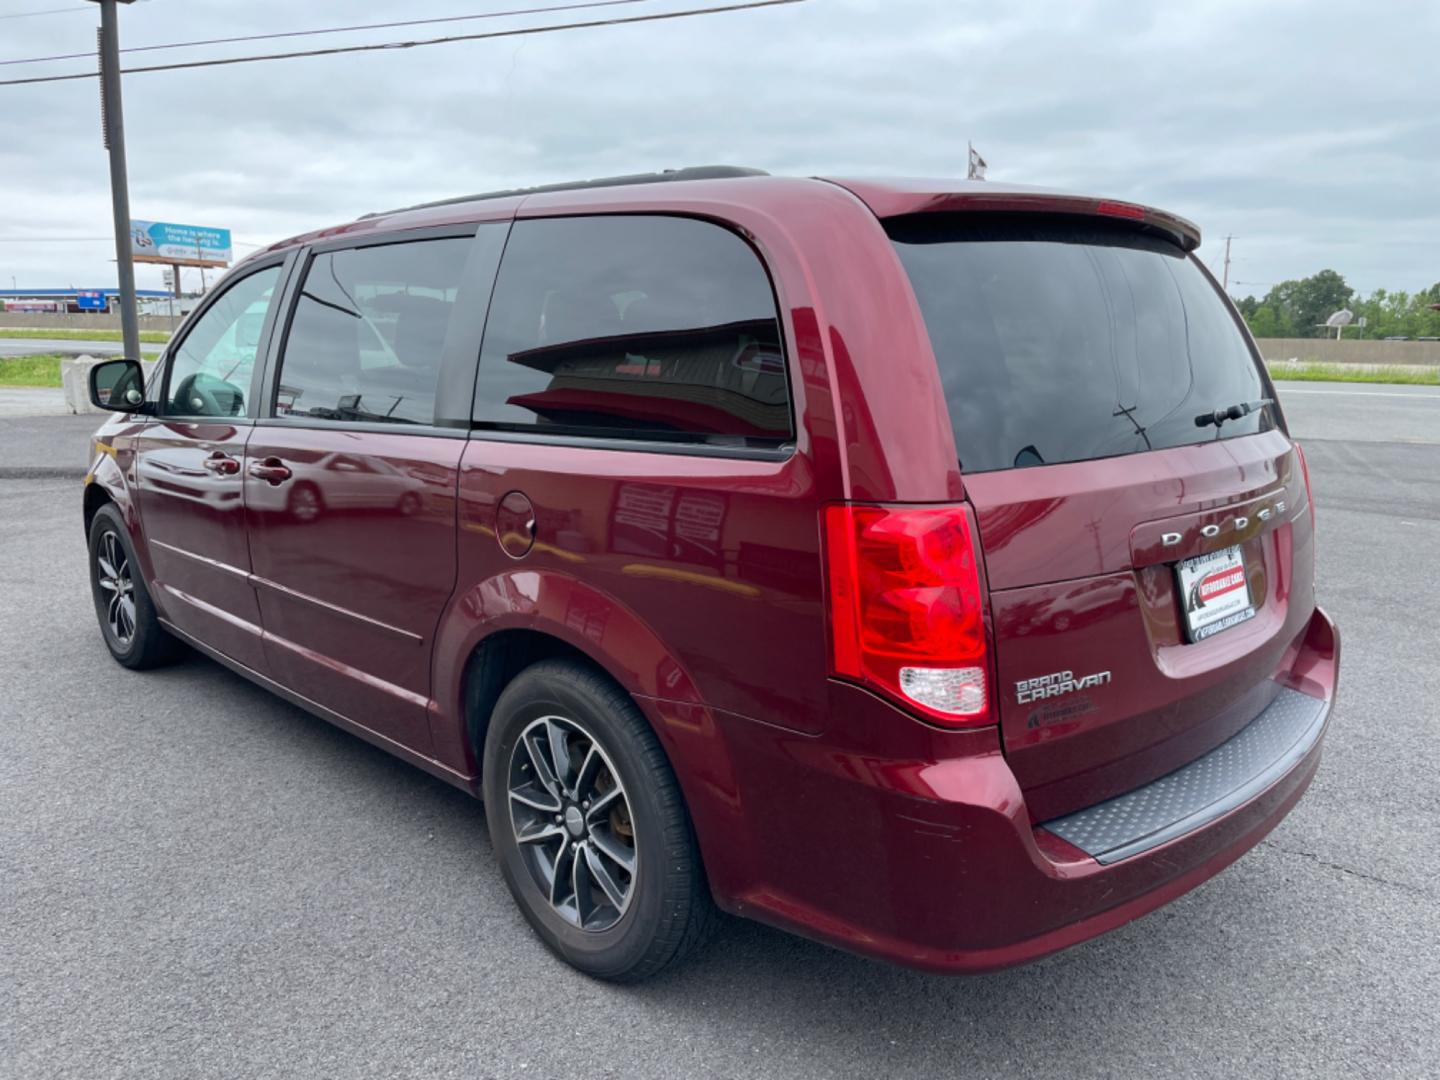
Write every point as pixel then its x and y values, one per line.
pixel 695 172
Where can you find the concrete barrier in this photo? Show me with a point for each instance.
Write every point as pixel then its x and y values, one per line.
pixel 69 321
pixel 1346 351
pixel 75 381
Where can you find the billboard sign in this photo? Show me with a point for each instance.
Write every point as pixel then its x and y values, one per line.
pixel 179 245
pixel 91 301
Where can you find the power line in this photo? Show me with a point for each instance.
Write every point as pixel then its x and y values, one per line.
pixel 330 30
pixel 52 11
pixel 659 16
pixel 46 11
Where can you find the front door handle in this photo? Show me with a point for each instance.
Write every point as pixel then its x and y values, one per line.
pixel 221 464
pixel 271 470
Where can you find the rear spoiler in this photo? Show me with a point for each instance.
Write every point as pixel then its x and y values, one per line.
pixel 890 203
pixel 1185 233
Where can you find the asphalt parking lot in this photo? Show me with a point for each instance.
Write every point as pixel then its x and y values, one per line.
pixel 202 881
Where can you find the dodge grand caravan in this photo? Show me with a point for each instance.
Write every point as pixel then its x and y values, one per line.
pixel 923 567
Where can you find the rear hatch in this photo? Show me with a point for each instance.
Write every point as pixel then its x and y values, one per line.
pixel 1149 567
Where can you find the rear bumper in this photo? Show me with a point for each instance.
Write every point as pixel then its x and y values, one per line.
pixel 1244 766
pixel 932 862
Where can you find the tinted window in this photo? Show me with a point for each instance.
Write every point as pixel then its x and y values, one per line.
pixel 1065 342
pixel 635 327
pixel 368 333
pixel 210 370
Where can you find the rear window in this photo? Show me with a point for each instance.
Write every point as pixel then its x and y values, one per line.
pixel 1060 340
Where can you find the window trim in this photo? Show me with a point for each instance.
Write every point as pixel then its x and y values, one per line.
pixel 319 423
pixel 784 452
pixel 498 431
pixel 458 363
pixel 286 263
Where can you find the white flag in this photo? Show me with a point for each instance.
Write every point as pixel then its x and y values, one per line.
pixel 977 166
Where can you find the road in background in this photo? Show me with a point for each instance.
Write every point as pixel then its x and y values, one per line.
pixel 65 346
pixel 1361 412
pixel 200 880
pixel 41 402
pixel 34 444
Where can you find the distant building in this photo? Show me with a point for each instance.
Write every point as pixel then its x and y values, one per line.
pixel 77 301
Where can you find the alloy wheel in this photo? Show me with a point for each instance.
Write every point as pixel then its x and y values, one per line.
pixel 112 573
pixel 572 821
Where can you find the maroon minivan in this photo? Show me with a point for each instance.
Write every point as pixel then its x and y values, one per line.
pixel 920 566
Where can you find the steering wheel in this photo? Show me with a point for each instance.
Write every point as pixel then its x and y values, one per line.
pixel 202 394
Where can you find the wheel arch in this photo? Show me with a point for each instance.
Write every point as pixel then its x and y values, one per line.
pixel 107 485
pixel 500 627
pixel 540 613
pixel 96 496
pixel 495 662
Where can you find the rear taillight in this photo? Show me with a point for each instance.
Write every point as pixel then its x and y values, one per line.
pixel 1305 472
pixel 906 608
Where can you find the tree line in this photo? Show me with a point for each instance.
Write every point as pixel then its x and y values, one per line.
pixel 1300 308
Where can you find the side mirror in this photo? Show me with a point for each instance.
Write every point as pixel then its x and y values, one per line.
pixel 117 385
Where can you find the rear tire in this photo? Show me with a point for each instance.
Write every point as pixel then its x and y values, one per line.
pixel 128 621
pixel 571 764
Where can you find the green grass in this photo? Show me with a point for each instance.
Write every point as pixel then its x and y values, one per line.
pixel 1411 374
pixel 30 370
pixel 154 337
pixel 39 370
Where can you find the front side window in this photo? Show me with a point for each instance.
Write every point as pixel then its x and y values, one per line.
pixel 634 327
pixel 368 334
pixel 210 370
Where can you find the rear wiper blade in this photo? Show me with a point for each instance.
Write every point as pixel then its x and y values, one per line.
pixel 1231 412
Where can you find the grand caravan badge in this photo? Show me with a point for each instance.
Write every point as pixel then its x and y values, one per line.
pixel 1057 683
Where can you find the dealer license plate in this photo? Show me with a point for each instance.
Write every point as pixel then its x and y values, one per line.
pixel 1214 593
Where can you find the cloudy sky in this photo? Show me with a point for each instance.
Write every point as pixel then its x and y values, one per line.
pixel 1306 128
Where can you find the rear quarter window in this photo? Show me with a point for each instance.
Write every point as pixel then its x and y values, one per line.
pixel 634 326
pixel 1069 340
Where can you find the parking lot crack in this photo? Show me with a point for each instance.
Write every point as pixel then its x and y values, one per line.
pixel 1349 870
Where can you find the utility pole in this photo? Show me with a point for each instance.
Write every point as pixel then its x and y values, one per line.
pixel 112 117
pixel 1225 277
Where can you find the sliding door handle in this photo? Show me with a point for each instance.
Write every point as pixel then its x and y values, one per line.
pixel 271 470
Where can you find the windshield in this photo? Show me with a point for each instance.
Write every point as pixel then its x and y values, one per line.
pixel 1062 340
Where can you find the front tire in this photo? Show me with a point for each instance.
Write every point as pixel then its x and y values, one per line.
pixel 590 826
pixel 128 621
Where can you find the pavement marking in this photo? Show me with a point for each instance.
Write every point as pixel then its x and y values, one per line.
pixel 1358 393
